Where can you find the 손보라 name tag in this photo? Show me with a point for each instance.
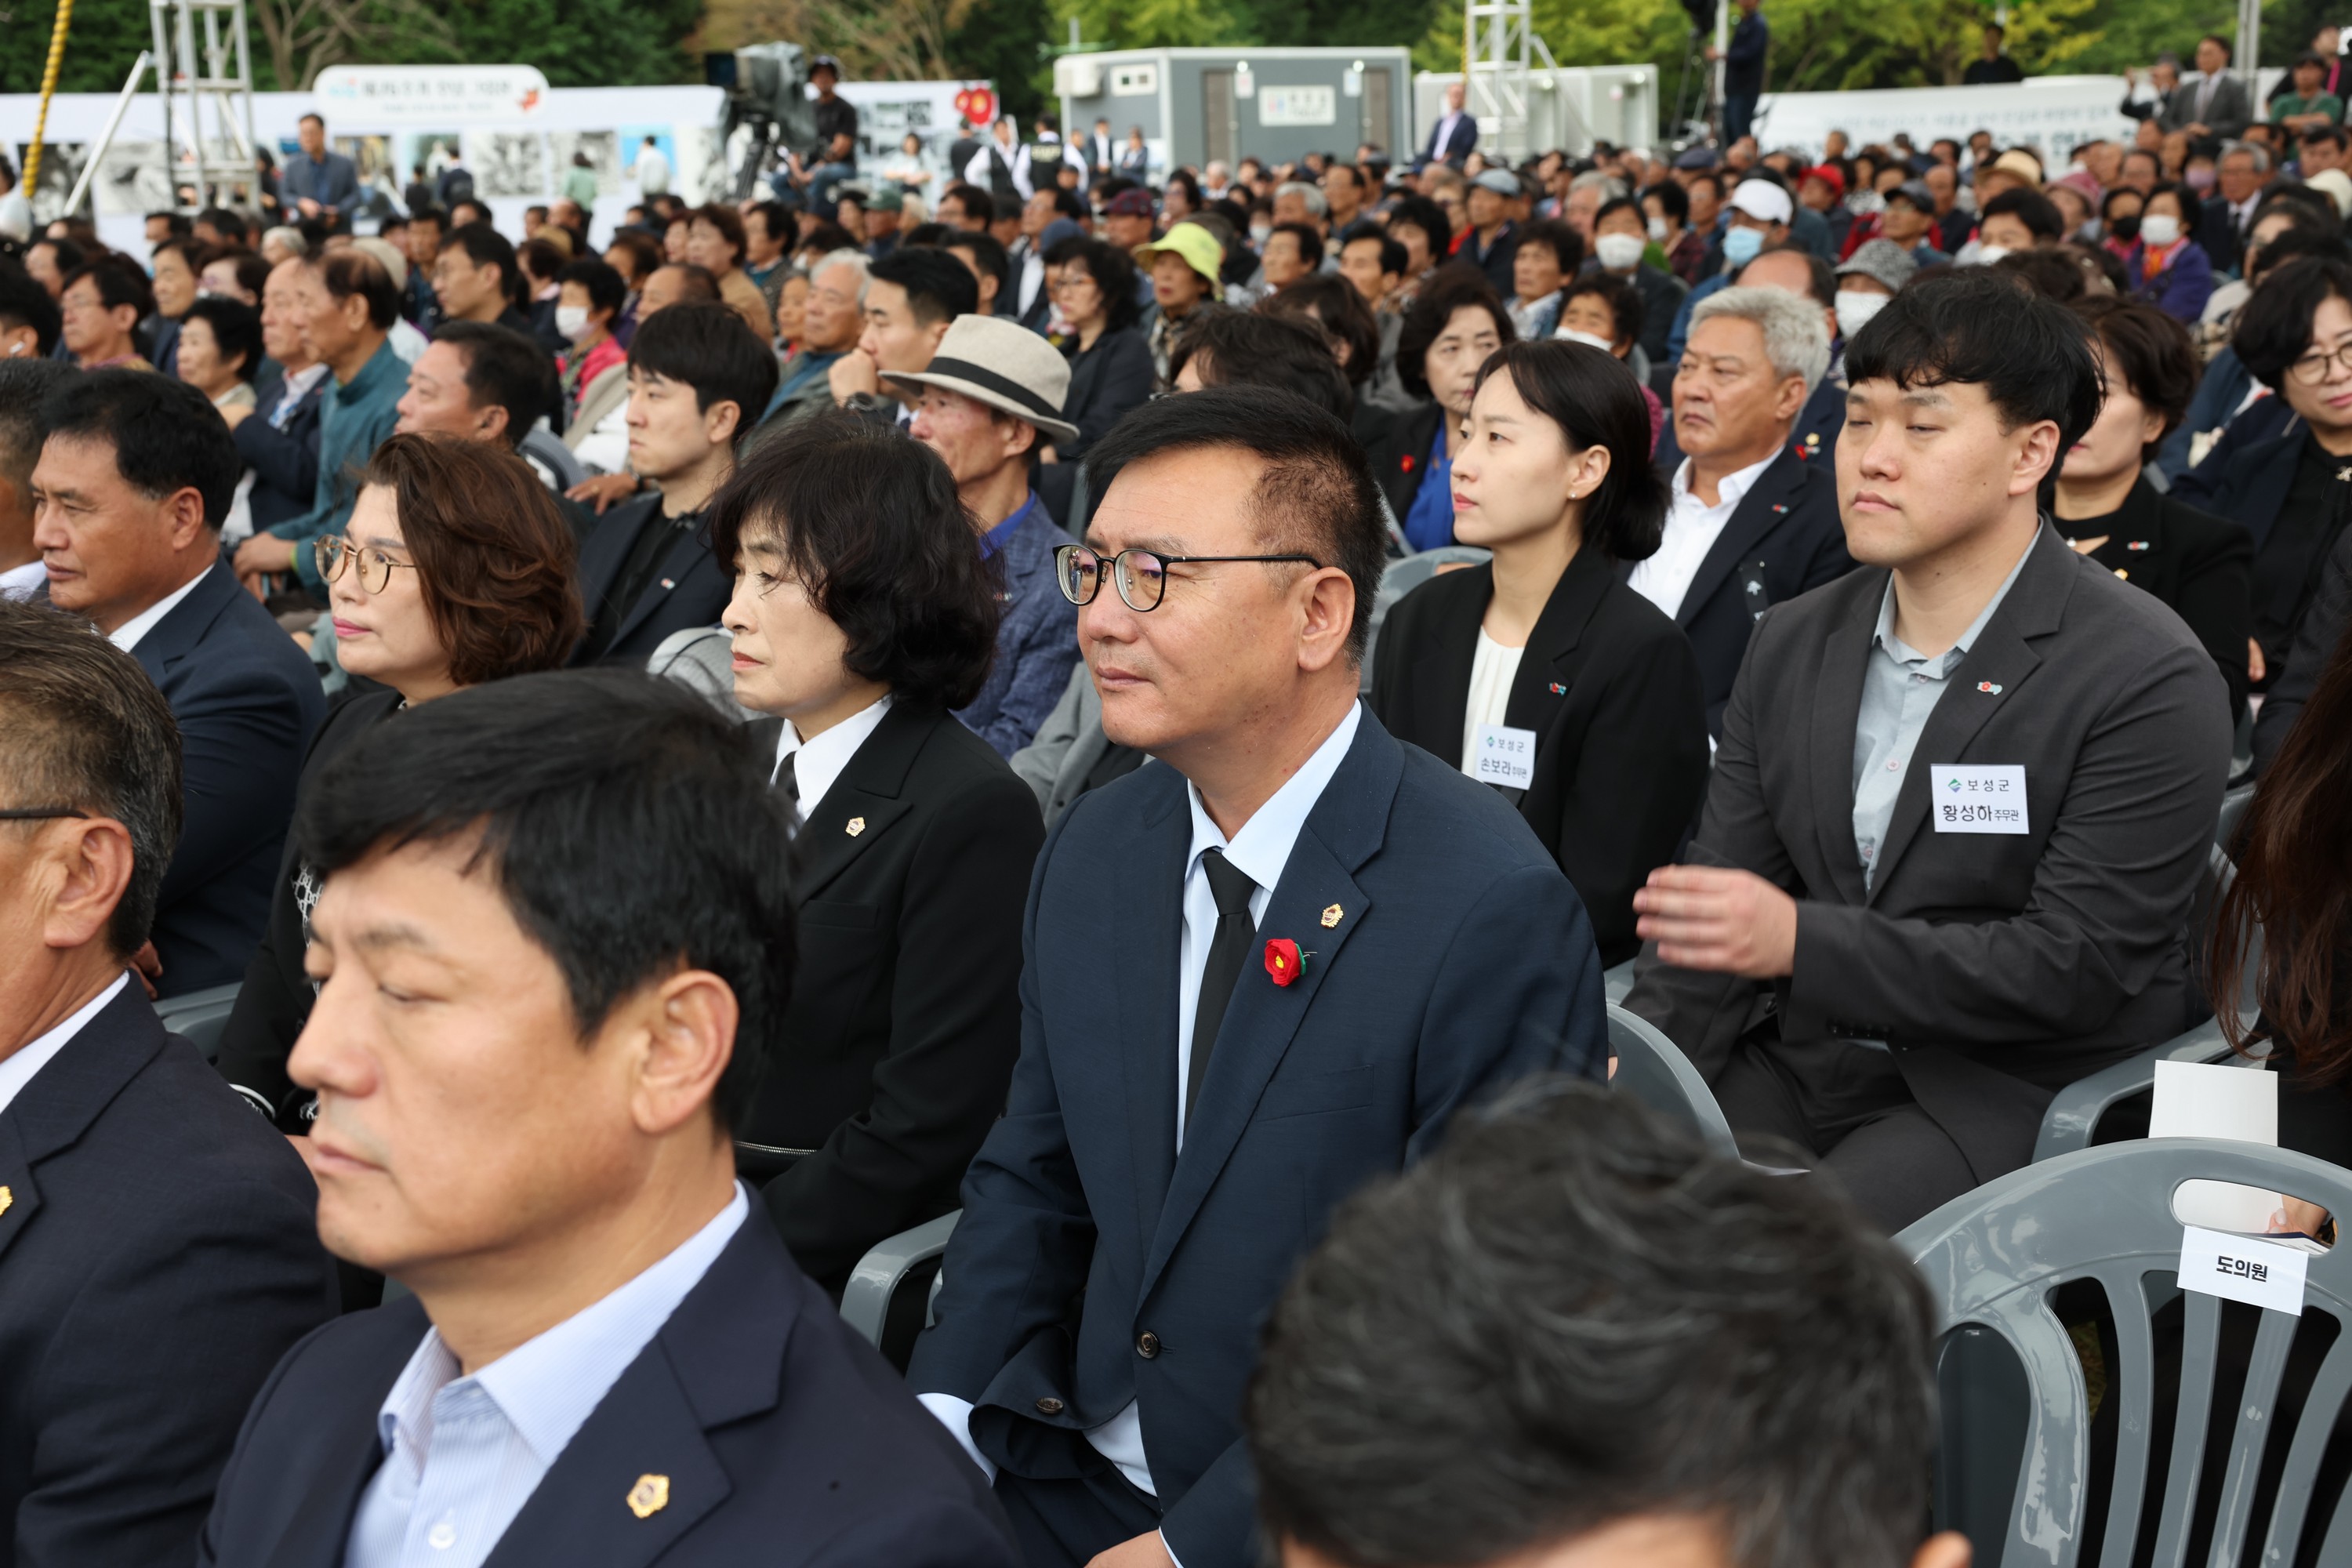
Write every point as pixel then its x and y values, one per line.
pixel 1500 755
pixel 2242 1268
pixel 1981 797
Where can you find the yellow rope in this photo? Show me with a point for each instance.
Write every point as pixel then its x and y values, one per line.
pixel 48 86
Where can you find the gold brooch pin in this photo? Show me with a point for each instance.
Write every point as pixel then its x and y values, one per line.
pixel 1332 917
pixel 649 1496
pixel 857 825
pixel 6 1198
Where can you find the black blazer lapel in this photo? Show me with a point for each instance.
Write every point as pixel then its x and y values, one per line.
pixel 1444 651
pixel 174 636
pixel 343 1456
pixel 1759 512
pixel 1142 947
pixel 863 802
pixel 608 546
pixel 687 565
pixel 1547 667
pixel 1837 708
pixel 2270 475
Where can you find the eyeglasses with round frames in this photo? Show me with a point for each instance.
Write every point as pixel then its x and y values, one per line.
pixel 2311 369
pixel 1142 575
pixel 335 553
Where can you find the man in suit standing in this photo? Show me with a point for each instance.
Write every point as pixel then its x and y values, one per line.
pixel 156 1234
pixel 605 1356
pixel 696 376
pixel 1963 797
pixel 319 184
pixel 990 396
pixel 1750 522
pixel 2213 108
pixel 1256 976
pixel 1454 136
pixel 135 478
pixel 1743 69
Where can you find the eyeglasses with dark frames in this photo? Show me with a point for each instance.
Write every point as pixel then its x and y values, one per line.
pixel 1142 575
pixel 40 813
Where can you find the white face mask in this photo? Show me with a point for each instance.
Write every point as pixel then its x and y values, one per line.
pixel 1658 229
pixel 1855 306
pixel 2160 230
pixel 572 321
pixel 1587 339
pixel 1260 234
pixel 1989 254
pixel 1617 251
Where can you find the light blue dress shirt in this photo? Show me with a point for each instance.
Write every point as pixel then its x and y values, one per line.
pixel 462 1455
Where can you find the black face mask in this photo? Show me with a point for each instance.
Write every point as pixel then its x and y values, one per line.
pixel 2125 228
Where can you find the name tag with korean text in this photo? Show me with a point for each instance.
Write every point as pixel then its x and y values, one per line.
pixel 2242 1268
pixel 1500 755
pixel 1977 797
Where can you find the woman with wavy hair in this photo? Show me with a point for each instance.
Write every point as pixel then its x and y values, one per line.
pixel 455 569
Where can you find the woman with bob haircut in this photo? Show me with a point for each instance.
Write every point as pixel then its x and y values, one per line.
pixel 1540 671
pixel 456 568
pixel 1455 324
pixel 863 615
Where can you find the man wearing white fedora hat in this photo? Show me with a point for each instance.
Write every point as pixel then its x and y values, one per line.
pixel 991 396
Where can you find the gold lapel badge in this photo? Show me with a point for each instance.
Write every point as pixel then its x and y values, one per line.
pixel 6 1198
pixel 1331 915
pixel 649 1496
pixel 857 825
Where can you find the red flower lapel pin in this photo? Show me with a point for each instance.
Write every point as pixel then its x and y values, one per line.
pixel 1282 961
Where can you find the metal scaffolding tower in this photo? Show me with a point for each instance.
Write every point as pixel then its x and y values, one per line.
pixel 1499 56
pixel 202 62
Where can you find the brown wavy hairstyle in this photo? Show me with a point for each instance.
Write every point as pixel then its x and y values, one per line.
pixel 494 556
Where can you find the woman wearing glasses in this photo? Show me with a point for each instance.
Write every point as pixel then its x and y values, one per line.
pixel 454 569
pixel 1540 672
pixel 1111 361
pixel 861 616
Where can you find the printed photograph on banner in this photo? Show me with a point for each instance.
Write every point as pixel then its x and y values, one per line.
pixel 603 153
pixel 61 165
pixel 371 155
pixel 508 163
pixel 132 178
pixel 700 172
pixel 633 146
pixel 434 149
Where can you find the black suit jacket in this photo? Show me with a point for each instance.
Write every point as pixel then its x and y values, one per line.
pixel 690 590
pixel 1400 458
pixel 1105 381
pixel 285 463
pixel 159 1254
pixel 1783 538
pixel 2196 564
pixel 1997 968
pixel 1612 690
pixel 785 1438
pixel 2323 629
pixel 2218 232
pixel 246 700
pixel 904 1015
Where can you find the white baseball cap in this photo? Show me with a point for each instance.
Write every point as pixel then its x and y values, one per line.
pixel 1764 201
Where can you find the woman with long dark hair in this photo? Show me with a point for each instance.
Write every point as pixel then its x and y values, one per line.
pixel 1541 672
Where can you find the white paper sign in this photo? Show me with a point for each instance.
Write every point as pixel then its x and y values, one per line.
pixel 2242 1268
pixel 1977 797
pixel 1308 105
pixel 1502 755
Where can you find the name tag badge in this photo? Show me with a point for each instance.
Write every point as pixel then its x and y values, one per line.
pixel 2242 1268
pixel 1979 798
pixel 1502 755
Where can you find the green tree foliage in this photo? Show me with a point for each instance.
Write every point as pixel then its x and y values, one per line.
pixel 105 36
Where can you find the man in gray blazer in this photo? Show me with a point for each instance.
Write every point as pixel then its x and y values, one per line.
pixel 1964 794
pixel 2214 107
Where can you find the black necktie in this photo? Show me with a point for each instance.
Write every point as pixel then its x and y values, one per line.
pixel 1228 955
pixel 788 779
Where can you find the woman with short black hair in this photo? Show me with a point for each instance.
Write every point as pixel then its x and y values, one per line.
pixel 861 616
pixel 1094 285
pixel 1540 672
pixel 1456 322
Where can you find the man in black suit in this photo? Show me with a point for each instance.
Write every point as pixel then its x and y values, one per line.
pixel 553 945
pixel 1751 523
pixel 698 377
pixel 1454 134
pixel 134 481
pixel 1963 798
pixel 1261 970
pixel 156 1236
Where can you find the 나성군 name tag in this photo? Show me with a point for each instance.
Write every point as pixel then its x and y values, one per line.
pixel 1977 797
pixel 1500 755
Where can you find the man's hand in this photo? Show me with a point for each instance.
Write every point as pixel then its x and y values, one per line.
pixel 309 208
pixel 1733 922
pixel 2256 667
pixel 603 489
pixel 145 965
pixel 1146 1550
pixel 264 552
pixel 2200 129
pixel 854 372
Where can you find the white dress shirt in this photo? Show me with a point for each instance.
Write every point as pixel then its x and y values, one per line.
pixel 462 1455
pixel 24 581
pixel 126 635
pixel 1444 132
pixel 1692 529
pixel 822 760
pixel 16 1070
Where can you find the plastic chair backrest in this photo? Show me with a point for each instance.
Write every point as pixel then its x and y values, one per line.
pixel 199 1017
pixel 1991 1260
pixel 1653 1070
pixel 875 1282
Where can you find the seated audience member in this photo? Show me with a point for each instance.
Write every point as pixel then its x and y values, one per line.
pixel 599 433
pixel 347 305
pixel 1621 240
pixel 2324 625
pixel 1328 943
pixel 2167 267
pixel 278 435
pixel 1750 522
pixel 2192 561
pixel 1606 311
pixel 477 278
pixel 1489 1360
pixel 992 268
pixel 585 873
pixel 1184 265
pixel 456 570
pixel 1110 365
pixel 646 571
pixel 1455 323
pixel 477 382
pixel 29 321
pixel 2018 219
pixel 1540 671
pixel 25 385
pixel 831 322
pixel 160 1250
pixel 2287 490
pixel 1932 987
pixel 136 474
pixel 173 268
pixel 1330 305
pixel 716 242
pixel 588 308
pixel 911 296
pixel 218 351
pixel 1289 251
pixel 1549 253
pixel 989 399
pixel 861 616
pixel 101 309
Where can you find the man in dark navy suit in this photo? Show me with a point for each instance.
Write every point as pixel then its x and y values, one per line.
pixel 1260 971
pixel 1454 134
pixel 554 945
pixel 134 481
pixel 157 1251
pixel 698 378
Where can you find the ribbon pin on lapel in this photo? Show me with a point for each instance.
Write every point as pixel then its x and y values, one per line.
pixel 1988 687
pixel 649 1496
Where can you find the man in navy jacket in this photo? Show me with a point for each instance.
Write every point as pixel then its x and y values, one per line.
pixel 1260 972
pixel 135 478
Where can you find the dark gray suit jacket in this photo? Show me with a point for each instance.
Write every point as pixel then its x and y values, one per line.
pixel 1998 968
pixel 2227 116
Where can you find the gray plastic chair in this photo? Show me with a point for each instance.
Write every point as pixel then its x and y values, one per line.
pixel 1991 1260
pixel 875 1282
pixel 546 448
pixel 1653 1070
pixel 200 1016
pixel 2234 802
pixel 1616 983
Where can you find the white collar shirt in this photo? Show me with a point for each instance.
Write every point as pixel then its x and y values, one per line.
pixel 126 635
pixel 23 582
pixel 18 1068
pixel 822 759
pixel 1692 529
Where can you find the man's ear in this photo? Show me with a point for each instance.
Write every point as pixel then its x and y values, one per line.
pixel 720 421
pixel 1947 1549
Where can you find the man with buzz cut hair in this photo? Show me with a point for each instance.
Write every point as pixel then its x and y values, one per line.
pixel 912 295
pixel 1964 795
